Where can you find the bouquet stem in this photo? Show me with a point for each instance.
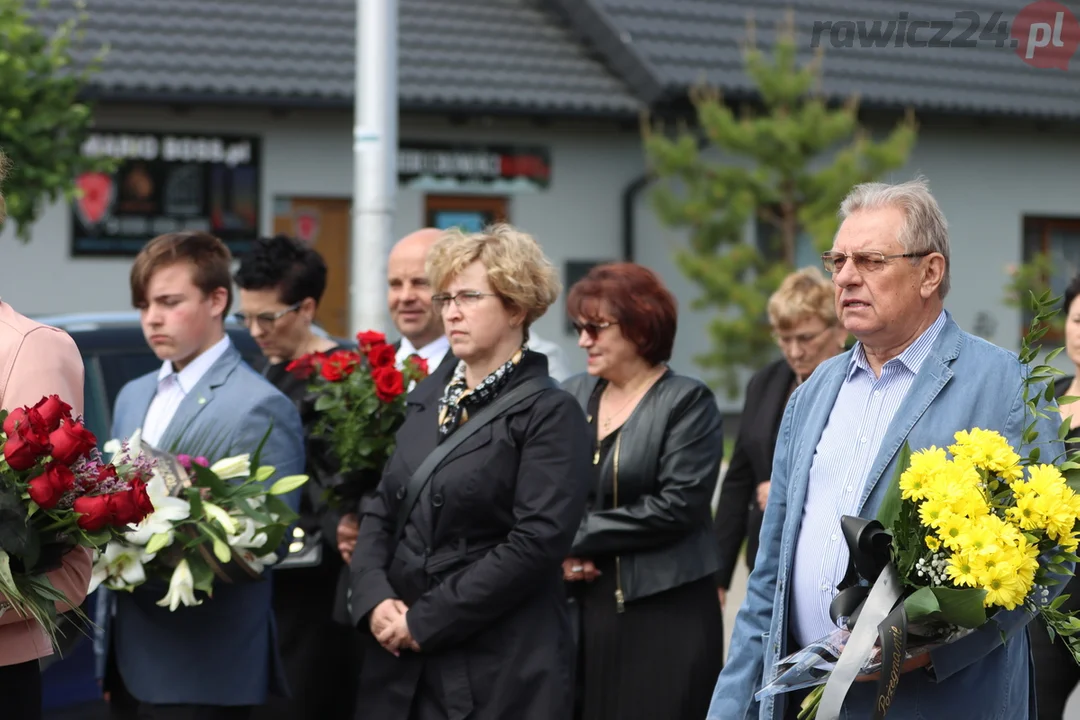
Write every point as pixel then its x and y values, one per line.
pixel 808 708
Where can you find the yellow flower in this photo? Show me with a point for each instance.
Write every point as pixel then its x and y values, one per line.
pixel 1002 587
pixel 960 570
pixel 987 450
pixel 925 464
pixel 932 542
pixel 933 512
pixel 951 529
pixel 1026 513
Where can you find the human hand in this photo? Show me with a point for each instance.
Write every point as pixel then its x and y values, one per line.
pixel 347 531
pixel 580 569
pixel 396 636
pixel 722 592
pixel 762 494
pixel 383 617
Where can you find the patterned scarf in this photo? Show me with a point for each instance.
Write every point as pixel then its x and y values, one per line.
pixel 459 400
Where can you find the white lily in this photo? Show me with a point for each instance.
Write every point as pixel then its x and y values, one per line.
pixel 181 589
pixel 232 467
pixel 114 447
pixel 215 512
pixel 249 537
pixel 167 510
pixel 120 566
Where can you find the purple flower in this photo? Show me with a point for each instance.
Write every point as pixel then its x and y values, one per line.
pixel 202 461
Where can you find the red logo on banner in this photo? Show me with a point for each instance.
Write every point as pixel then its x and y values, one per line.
pixel 1046 34
pixel 98 192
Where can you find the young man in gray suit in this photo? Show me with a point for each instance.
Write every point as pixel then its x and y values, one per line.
pixel 217 660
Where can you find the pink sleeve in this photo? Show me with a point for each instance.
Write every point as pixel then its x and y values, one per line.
pixel 49 363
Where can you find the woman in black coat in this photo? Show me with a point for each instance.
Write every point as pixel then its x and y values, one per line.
pixel 803 319
pixel 281 283
pixel 652 631
pixel 468 606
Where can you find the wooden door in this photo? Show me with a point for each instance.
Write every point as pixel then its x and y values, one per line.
pixel 324 224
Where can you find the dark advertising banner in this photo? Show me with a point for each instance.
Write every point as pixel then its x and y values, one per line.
pixel 464 163
pixel 166 182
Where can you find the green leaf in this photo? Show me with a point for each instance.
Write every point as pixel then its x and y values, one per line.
pixel 921 604
pixel 204 478
pixel 287 484
pixel 962 606
pixel 889 510
pixel 203 576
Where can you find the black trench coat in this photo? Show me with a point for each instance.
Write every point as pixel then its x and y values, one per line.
pixel 479 564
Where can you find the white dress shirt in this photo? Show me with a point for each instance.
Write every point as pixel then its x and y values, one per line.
pixel 173 387
pixel 433 352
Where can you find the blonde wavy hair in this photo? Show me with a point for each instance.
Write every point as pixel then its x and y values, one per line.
pixel 804 293
pixel 517 268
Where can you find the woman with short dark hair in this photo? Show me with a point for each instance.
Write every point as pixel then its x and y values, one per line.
pixel 281 282
pixel 643 559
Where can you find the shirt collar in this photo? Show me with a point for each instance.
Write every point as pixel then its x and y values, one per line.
pixel 913 356
pixel 194 371
pixel 438 346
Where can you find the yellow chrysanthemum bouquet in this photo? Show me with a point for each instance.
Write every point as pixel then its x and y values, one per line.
pixel 963 533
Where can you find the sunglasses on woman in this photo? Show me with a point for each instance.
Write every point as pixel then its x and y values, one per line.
pixel 592 329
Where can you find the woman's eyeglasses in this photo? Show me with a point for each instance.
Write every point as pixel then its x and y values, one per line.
pixel 464 299
pixel 266 321
pixel 592 329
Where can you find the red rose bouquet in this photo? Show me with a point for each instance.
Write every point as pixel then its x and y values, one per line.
pixel 56 494
pixel 360 401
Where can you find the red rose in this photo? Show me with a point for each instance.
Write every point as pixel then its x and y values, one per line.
pixel 47 488
pixel 420 364
pixel 389 383
pixel 332 372
pixel 369 339
pixel 382 356
pixel 95 512
pixel 15 417
pixel 53 410
pixel 71 441
pixel 106 473
pixel 28 443
pixel 303 367
pixel 131 506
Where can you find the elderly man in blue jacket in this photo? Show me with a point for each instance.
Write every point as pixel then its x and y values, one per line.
pixel 914 377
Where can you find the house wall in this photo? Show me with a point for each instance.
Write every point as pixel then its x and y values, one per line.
pixel 985 177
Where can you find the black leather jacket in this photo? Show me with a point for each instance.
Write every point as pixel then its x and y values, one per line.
pixel 669 458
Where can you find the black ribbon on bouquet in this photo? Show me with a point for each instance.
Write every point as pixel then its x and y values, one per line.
pixel 871 599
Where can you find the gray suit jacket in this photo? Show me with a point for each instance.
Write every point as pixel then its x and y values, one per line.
pixel 222 652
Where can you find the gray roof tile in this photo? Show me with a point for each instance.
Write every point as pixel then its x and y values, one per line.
pixel 662 46
pixel 453 54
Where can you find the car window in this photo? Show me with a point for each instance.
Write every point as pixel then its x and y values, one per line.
pixel 96 410
pixel 120 368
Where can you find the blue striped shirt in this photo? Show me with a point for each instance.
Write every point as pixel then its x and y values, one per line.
pixel 849 444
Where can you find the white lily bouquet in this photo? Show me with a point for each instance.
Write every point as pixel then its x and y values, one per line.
pixel 211 522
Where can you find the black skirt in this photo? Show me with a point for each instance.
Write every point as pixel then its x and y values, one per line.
pixel 658 659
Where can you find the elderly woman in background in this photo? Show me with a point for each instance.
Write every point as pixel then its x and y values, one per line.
pixel 458 578
pixel 803 319
pixel 281 282
pixel 644 556
pixel 1056 673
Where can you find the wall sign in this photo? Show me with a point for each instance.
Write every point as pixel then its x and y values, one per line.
pixel 166 182
pixel 453 166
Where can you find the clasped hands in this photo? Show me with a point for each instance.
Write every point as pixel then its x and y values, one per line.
pixel 387 623
pixel 579 569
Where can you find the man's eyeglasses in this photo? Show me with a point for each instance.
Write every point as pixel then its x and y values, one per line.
pixel 592 329
pixel 866 261
pixel 464 299
pixel 266 321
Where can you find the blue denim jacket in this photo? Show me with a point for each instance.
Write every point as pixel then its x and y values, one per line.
pixel 965 382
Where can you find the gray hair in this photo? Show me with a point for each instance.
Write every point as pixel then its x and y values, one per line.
pixel 924 228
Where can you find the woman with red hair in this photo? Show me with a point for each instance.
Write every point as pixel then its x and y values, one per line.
pixel 643 560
